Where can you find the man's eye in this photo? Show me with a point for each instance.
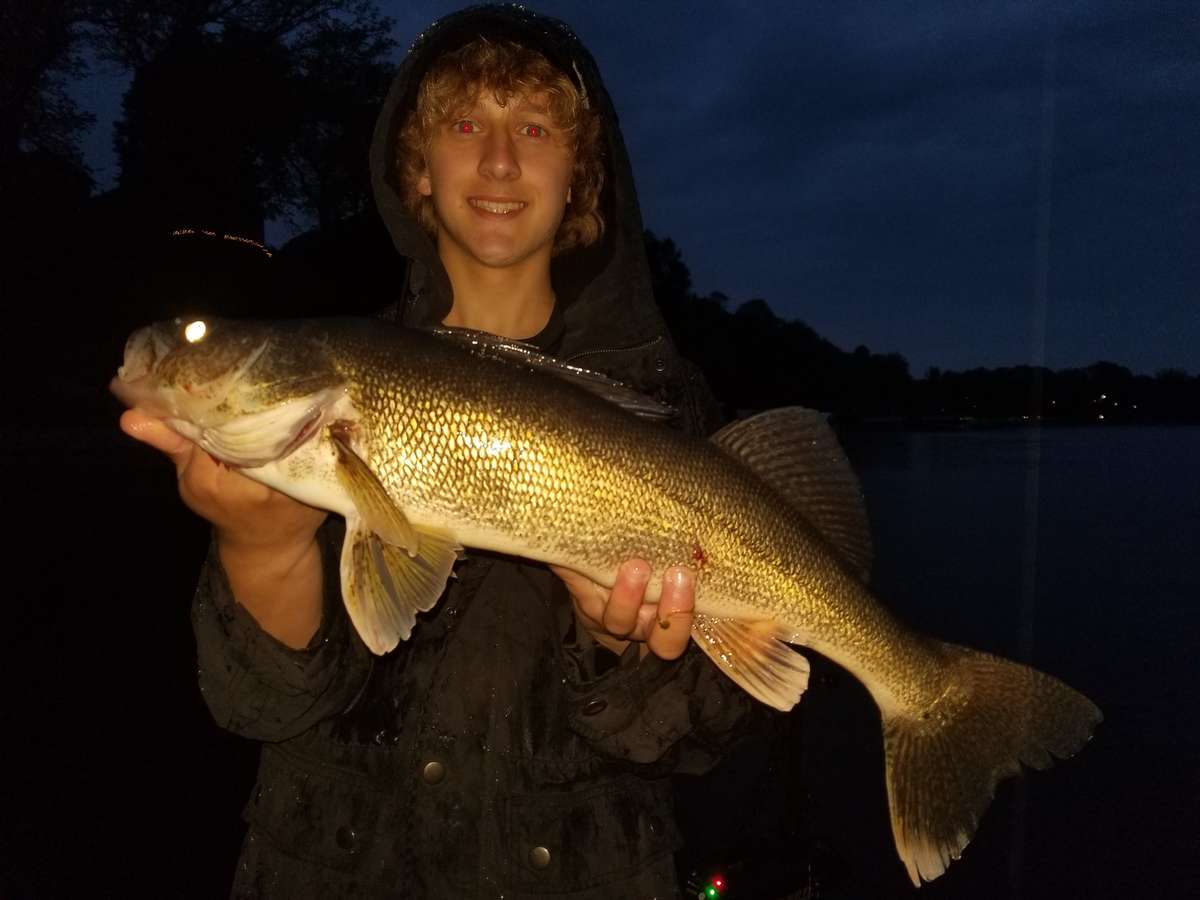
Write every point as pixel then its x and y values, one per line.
pixel 463 126
pixel 533 130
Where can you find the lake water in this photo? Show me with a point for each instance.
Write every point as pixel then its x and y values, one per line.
pixel 1075 549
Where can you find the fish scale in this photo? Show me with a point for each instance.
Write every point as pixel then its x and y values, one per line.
pixel 504 459
pixel 428 443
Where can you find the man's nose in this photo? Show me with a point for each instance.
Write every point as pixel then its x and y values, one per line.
pixel 500 157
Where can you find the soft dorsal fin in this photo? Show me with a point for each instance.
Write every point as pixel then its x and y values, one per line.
pixel 490 346
pixel 794 450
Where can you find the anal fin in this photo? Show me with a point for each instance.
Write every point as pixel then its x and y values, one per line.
pixel 754 656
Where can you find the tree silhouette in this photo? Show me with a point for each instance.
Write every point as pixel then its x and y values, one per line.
pixel 753 359
pixel 241 111
pixel 342 73
pixel 133 33
pixel 40 51
pixel 206 131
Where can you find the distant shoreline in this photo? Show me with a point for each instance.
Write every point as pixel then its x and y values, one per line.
pixel 976 423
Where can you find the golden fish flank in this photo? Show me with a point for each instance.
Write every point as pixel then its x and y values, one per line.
pixel 429 443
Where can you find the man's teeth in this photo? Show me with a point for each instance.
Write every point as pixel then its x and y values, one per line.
pixel 496 206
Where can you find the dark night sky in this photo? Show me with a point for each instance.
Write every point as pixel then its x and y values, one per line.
pixel 963 183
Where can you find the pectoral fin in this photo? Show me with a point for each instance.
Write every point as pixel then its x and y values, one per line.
pixel 379 513
pixel 391 570
pixel 754 656
pixel 384 587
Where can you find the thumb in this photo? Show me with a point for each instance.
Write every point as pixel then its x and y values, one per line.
pixel 155 432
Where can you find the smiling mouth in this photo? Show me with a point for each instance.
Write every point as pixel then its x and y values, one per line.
pixel 499 207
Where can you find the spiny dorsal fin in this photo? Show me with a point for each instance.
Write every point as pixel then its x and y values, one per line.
pixel 794 450
pixel 754 656
pixel 490 346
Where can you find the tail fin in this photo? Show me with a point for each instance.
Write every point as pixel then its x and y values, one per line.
pixel 943 763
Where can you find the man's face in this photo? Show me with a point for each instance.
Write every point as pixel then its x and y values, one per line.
pixel 499 177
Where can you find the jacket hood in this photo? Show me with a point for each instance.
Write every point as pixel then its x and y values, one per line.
pixel 604 290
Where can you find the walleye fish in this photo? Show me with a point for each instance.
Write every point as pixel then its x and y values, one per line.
pixel 429 443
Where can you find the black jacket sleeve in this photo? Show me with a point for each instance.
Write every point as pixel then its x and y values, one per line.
pixel 255 685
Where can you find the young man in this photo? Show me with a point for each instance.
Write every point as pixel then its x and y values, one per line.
pixel 521 742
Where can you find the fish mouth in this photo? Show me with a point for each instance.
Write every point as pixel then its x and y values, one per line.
pixel 497 207
pixel 135 383
pixel 233 428
pixel 141 393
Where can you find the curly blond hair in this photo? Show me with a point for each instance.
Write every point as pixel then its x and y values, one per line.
pixel 507 69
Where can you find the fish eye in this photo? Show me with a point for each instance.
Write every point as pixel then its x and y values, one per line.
pixel 194 332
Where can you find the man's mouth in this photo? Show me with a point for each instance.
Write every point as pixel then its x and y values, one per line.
pixel 499 207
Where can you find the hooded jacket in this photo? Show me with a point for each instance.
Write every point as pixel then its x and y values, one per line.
pixel 612 323
pixel 498 752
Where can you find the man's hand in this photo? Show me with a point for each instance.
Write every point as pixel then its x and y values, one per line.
pixel 266 540
pixel 246 514
pixel 616 617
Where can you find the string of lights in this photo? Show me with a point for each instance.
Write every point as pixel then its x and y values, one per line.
pixel 205 232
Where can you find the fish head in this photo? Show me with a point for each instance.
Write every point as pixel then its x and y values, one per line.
pixel 247 392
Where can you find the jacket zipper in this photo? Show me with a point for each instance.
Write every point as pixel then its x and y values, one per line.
pixel 650 342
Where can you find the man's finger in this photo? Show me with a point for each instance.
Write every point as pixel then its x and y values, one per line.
pixel 621 612
pixel 589 598
pixel 155 432
pixel 669 637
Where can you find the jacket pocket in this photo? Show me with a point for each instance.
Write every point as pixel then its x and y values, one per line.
pixel 325 817
pixel 575 840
